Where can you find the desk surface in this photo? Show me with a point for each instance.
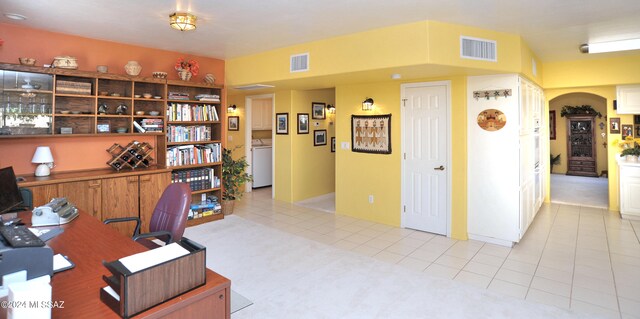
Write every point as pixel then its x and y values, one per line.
pixel 87 242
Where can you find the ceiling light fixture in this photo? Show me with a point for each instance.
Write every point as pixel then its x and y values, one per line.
pixel 15 16
pixel 611 46
pixel 183 21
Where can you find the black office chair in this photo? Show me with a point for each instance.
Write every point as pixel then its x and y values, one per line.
pixel 27 199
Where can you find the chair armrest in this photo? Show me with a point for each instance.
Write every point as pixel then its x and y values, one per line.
pixel 136 231
pixel 156 234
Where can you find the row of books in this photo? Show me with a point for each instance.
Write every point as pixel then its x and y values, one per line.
pixel 203 209
pixel 149 125
pixel 194 154
pixel 208 97
pixel 192 112
pixel 188 133
pixel 198 179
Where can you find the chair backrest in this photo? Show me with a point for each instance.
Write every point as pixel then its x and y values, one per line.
pixel 172 210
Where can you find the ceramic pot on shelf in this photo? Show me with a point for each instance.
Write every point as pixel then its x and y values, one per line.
pixel 209 78
pixel 133 68
pixel 185 75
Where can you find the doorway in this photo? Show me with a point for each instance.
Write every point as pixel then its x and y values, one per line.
pixel 426 177
pixel 259 129
pixel 569 162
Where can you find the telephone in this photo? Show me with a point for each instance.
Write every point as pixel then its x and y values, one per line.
pixel 57 212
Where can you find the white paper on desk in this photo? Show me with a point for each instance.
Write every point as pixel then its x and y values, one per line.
pixel 153 257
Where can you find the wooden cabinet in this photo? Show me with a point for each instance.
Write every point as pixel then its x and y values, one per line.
pixel 261 115
pixel 151 187
pixel 629 176
pixel 581 147
pixel 628 99
pixel 120 199
pixel 86 195
pixel 43 194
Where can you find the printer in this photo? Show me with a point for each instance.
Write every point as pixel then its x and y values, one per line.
pixel 37 261
pixel 57 212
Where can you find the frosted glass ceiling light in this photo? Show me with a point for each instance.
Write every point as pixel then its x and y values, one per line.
pixel 612 46
pixel 183 21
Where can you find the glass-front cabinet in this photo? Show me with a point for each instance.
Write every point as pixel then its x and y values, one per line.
pixel 25 103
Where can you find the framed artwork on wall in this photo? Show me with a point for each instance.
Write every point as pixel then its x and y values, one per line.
pixel 319 137
pixel 614 126
pixel 303 123
pixel 234 123
pixel 627 130
pixel 371 133
pixel 282 123
pixel 552 125
pixel 318 111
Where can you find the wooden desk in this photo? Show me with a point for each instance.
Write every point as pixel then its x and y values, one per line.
pixel 87 242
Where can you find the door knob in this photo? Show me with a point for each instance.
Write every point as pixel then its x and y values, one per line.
pixel 441 168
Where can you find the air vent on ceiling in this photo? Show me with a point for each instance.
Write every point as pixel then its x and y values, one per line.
pixel 478 49
pixel 299 62
pixel 253 87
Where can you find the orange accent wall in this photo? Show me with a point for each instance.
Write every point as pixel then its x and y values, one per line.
pixel 82 153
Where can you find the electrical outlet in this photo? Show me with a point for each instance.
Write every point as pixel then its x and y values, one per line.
pixel 230 138
pixel 344 145
pixel 370 199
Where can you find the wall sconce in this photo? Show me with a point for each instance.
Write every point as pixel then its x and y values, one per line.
pixel 331 109
pixel 183 21
pixel 232 108
pixel 367 104
pixel 43 157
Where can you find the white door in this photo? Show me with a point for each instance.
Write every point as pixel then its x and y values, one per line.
pixel 426 156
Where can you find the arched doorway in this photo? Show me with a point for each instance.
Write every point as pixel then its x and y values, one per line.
pixel 567 186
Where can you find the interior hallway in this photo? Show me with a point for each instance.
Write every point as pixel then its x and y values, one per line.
pixel 574 257
pixel 580 190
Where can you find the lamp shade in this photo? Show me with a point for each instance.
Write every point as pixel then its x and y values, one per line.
pixel 42 155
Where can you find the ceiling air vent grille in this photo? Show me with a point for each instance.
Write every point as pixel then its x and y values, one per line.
pixel 300 62
pixel 478 49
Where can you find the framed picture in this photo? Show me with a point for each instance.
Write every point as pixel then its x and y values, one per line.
pixel 282 123
pixel 303 123
pixel 614 126
pixel 552 125
pixel 627 130
pixel 333 145
pixel 103 127
pixel 371 133
pixel 319 137
pixel 234 123
pixel 317 111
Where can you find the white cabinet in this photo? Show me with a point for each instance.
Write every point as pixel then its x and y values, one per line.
pixel 629 176
pixel 261 115
pixel 504 166
pixel 628 99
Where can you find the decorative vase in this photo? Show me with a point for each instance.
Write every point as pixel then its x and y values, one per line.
pixel 227 206
pixel 209 78
pixel 185 75
pixel 631 158
pixel 133 68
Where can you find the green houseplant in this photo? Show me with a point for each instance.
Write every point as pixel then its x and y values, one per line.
pixel 234 175
pixel 631 154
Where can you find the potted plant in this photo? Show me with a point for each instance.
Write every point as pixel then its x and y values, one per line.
pixel 234 175
pixel 631 154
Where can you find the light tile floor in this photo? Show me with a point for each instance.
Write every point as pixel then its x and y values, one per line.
pixel 581 258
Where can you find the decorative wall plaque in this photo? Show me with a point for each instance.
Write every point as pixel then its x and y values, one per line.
pixel 492 120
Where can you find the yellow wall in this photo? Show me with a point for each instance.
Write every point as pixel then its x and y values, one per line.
pixel 313 170
pixel 559 145
pixel 235 139
pixel 283 151
pixel 592 72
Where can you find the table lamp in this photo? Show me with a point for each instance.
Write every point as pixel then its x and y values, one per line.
pixel 45 159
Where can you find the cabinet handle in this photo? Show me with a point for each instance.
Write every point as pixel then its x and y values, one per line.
pixel 96 185
pixel 221 296
pixel 145 178
pixel 132 180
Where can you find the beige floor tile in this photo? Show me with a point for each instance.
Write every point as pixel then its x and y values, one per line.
pixel 628 306
pixel 378 243
pixel 588 308
pixel 343 244
pixel 546 298
pixel 554 274
pixel 358 238
pixel 441 271
pixel 595 297
pixel 495 250
pixel 381 227
pixel 401 249
pixel 481 269
pixel 366 250
pixel 518 266
pixel 627 291
pixel 488 259
pixel 424 236
pixel 388 257
pixel 352 228
pixel 451 261
pixel 551 286
pixel 371 232
pixel 414 263
pixel 514 277
pixel 603 285
pixel 426 255
pixel 473 279
pixel 507 288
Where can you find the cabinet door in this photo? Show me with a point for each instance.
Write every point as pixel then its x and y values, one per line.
pixel 43 194
pixel 120 199
pixel 86 195
pixel 266 117
pixel 628 99
pixel 151 188
pixel 257 116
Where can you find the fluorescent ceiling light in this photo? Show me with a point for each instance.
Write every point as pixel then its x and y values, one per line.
pixel 15 16
pixel 253 87
pixel 612 46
